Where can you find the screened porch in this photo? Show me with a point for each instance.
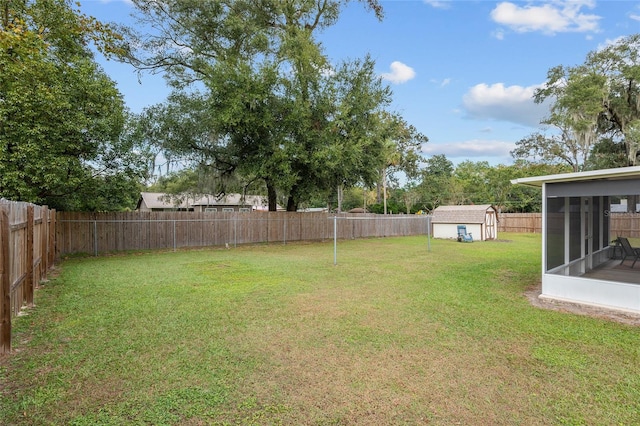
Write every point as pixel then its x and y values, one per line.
pixel 578 263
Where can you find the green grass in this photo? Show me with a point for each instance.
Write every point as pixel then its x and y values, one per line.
pixel 276 334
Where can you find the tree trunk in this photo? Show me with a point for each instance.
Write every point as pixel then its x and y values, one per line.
pixel 292 204
pixel 272 197
pixel 364 200
pixel 384 189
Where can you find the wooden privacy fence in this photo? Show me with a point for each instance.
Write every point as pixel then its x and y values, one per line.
pixel 519 222
pixel 26 254
pixel 96 233
pixel 627 224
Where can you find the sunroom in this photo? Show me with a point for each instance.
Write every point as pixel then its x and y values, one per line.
pixel 578 262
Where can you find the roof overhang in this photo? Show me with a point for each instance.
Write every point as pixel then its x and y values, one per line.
pixel 619 173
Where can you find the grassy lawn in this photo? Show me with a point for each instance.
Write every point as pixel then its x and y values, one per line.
pixel 277 334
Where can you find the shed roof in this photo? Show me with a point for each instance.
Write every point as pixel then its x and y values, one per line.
pixel 461 214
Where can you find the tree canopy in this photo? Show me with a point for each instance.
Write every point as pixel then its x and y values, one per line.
pixel 61 116
pixel 255 96
pixel 593 103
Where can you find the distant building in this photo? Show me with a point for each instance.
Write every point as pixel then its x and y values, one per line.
pixel 158 201
pixel 314 210
pixel 231 203
pixel 480 221
pixel 622 207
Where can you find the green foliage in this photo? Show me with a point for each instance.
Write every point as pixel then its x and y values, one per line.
pixel 595 101
pixel 477 183
pixel 436 186
pixel 393 207
pixel 357 197
pixel 607 154
pixel 552 150
pixel 270 105
pixel 473 182
pixel 176 182
pixel 61 117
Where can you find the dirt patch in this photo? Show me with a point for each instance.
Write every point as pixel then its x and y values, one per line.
pixel 623 317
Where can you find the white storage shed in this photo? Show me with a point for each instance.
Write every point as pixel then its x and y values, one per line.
pixel 480 221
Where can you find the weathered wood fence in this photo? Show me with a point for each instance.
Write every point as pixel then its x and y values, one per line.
pixel 627 224
pixel 519 222
pixel 96 233
pixel 27 251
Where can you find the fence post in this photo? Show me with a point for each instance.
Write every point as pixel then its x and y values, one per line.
pixel 51 239
pixel 95 238
pixel 43 243
pixel 29 284
pixel 428 233
pixel 335 240
pixel 5 284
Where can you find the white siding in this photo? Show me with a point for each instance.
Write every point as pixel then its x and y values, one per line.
pixel 591 291
pixel 450 230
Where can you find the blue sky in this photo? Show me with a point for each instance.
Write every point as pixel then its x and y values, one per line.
pixel 462 72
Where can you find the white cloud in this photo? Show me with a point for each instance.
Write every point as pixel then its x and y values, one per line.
pixel 499 34
pixel 497 102
pixel 400 73
pixel 442 83
pixel 476 148
pixel 438 4
pixel 550 18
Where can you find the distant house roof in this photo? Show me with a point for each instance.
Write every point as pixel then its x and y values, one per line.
pixel 162 201
pixel 159 200
pixel 256 201
pixel 461 214
pixel 314 210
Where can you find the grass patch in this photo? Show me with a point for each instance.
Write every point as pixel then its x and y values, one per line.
pixel 277 334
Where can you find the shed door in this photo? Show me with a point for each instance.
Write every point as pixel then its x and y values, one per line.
pixel 490 225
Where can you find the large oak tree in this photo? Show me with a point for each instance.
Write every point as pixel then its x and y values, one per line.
pixel 256 95
pixel 597 100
